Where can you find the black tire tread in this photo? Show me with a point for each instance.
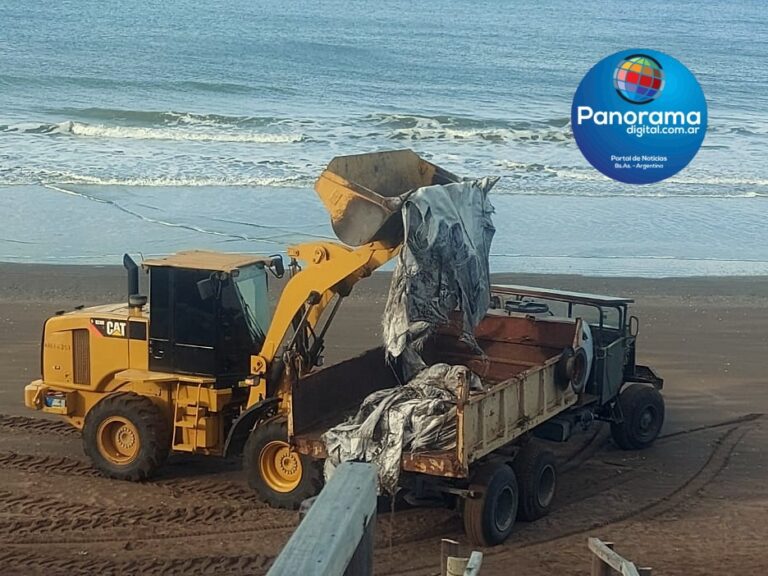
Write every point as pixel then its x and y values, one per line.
pixel 312 478
pixel 526 466
pixel 629 398
pixel 474 508
pixel 148 417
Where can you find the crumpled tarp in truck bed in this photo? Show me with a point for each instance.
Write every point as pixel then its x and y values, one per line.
pixel 420 415
pixel 443 266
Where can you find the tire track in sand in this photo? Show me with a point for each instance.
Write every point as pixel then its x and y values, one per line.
pixel 717 461
pixel 22 562
pixel 46 464
pixel 178 487
pixel 37 426
pixel 41 519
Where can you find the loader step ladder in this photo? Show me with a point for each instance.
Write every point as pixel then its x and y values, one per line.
pixel 186 416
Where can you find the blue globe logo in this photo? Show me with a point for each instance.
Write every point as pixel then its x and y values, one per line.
pixel 624 126
pixel 638 79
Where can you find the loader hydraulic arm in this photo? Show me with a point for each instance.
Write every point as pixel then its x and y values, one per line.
pixel 331 269
pixel 364 195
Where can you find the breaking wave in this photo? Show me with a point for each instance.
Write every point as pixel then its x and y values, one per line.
pixel 425 128
pixel 86 130
pixel 168 118
pixel 521 170
pixel 274 182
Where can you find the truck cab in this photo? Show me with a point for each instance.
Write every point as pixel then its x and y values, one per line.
pixel 612 328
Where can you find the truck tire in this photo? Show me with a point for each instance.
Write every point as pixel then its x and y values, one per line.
pixel 282 477
pixel 642 407
pixel 490 517
pixel 126 436
pixel 536 472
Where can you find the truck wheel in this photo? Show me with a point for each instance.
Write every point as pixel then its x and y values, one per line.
pixel 643 409
pixel 489 518
pixel 536 473
pixel 126 436
pixel 283 477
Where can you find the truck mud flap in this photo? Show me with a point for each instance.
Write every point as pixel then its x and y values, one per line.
pixel 647 375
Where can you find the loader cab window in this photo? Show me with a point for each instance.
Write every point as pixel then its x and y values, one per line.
pixel 160 303
pixel 182 327
pixel 210 332
pixel 251 286
pixel 195 318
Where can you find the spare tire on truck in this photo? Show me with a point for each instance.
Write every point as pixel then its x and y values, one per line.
pixel 572 369
pixel 490 516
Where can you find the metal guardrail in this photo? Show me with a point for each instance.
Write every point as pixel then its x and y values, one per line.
pixel 605 561
pixel 451 564
pixel 336 535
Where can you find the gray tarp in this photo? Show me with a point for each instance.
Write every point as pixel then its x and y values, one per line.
pixel 443 266
pixel 417 416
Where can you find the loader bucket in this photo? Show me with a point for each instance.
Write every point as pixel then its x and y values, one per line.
pixel 364 193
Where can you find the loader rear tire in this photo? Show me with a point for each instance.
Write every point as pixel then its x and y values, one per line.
pixel 536 472
pixel 126 436
pixel 642 408
pixel 283 477
pixel 490 517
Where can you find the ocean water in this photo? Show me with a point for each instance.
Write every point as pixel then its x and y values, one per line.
pixel 153 127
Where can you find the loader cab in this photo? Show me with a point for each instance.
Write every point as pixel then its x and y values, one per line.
pixel 209 313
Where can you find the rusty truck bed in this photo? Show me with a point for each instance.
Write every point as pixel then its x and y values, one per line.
pixel 520 390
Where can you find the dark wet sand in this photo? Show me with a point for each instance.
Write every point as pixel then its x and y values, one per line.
pixel 694 503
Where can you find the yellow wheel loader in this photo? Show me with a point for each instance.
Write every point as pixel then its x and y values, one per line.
pixel 202 366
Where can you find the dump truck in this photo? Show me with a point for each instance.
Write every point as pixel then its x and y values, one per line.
pixel 545 376
pixel 204 366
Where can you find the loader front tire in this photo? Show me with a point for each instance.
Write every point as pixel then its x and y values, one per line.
pixel 283 477
pixel 126 436
pixel 490 516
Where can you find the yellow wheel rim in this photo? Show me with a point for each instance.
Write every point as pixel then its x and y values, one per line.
pixel 280 466
pixel 118 440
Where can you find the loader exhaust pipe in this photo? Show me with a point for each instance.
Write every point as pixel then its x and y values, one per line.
pixel 133 275
pixel 135 300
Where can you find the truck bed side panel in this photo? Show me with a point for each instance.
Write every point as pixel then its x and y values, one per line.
pixel 510 409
